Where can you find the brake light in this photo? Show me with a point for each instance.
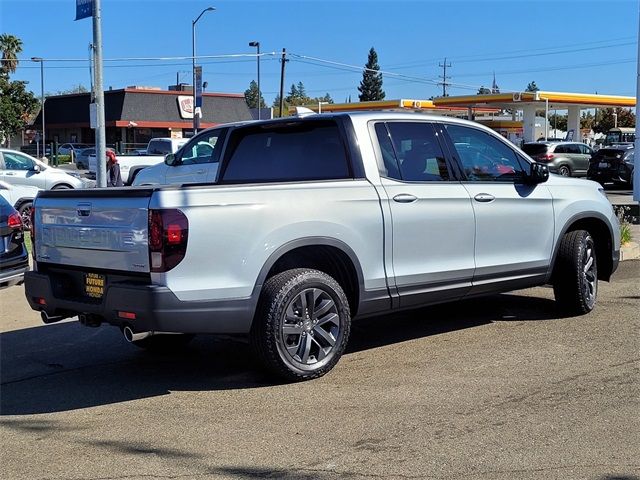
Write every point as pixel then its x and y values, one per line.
pixel 168 235
pixel 15 221
pixel 546 157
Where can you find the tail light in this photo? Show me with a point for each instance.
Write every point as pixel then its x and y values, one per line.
pixel 168 235
pixel 15 221
pixel 546 157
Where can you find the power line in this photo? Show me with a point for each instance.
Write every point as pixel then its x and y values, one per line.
pixel 527 52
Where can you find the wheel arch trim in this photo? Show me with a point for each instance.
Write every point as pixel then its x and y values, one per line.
pixel 589 215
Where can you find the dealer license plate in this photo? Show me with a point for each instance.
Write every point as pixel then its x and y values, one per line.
pixel 603 165
pixel 94 285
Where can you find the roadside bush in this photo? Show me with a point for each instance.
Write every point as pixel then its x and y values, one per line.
pixel 625 225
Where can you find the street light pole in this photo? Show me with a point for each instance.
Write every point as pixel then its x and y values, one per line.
pixel 41 61
pixel 257 45
pixel 196 119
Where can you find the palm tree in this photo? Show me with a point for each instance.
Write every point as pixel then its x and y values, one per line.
pixel 10 46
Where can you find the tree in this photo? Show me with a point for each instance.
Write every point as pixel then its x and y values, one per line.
pixel 75 89
pixel 17 105
pixel 558 122
pixel 605 119
pixel 297 96
pixel 10 46
pixel 370 87
pixel 302 93
pixel 483 91
pixel 251 96
pixel 532 87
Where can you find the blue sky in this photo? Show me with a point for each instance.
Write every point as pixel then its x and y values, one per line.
pixel 580 46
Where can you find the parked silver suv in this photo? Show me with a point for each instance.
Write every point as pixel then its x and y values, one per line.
pixel 569 159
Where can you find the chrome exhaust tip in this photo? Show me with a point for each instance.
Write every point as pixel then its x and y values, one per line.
pixel 131 336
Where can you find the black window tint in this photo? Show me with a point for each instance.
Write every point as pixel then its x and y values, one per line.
pixel 585 150
pixel 159 147
pixel 484 157
pixel 574 149
pixel 560 149
pixel 534 149
pixel 418 152
pixel 391 169
pixel 305 151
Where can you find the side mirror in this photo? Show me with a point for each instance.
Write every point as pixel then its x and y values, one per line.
pixel 36 168
pixel 170 159
pixel 539 173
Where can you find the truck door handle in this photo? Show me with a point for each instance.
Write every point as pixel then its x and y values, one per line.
pixel 10 174
pixel 405 198
pixel 199 172
pixel 484 197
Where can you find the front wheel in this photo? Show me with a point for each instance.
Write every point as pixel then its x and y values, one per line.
pixel 575 276
pixel 302 325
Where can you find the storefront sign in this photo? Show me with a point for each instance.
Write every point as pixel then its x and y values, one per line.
pixel 185 106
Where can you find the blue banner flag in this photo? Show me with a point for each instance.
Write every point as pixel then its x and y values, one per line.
pixel 198 72
pixel 84 9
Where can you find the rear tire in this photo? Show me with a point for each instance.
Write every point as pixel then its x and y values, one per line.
pixel 302 324
pixel 63 186
pixel 575 275
pixel 564 171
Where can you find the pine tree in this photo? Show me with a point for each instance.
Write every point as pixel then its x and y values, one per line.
pixel 302 93
pixel 532 87
pixel 370 87
pixel 251 96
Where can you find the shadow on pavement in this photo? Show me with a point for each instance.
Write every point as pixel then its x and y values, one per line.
pixel 66 366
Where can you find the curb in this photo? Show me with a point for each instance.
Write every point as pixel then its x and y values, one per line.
pixel 630 251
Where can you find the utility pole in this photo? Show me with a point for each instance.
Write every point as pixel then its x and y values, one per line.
pixel 282 61
pixel 101 138
pixel 636 171
pixel 444 77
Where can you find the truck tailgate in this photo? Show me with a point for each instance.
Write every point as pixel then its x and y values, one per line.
pixel 99 229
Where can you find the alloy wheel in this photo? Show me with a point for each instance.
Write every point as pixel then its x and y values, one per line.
pixel 310 328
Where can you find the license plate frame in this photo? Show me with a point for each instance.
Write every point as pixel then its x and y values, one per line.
pixel 603 165
pixel 94 285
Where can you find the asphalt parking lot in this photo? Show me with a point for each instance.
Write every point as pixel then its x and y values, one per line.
pixel 496 388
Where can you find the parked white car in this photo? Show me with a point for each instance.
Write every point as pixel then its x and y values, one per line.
pixel 21 198
pixel 132 165
pixel 196 162
pixel 18 168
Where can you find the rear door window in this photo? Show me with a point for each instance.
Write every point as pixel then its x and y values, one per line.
pixel 411 152
pixel 310 150
pixel 573 149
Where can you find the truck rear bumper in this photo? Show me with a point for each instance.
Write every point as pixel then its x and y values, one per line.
pixel 144 308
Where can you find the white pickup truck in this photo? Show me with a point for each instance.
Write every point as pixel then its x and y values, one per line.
pixel 132 165
pixel 310 222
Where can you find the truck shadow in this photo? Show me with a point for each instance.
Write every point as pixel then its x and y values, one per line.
pixel 65 366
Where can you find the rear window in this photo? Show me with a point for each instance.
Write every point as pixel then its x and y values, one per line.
pixel 609 153
pixel 534 148
pixel 159 147
pixel 302 151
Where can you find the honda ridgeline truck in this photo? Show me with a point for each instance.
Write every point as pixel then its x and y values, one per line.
pixel 305 223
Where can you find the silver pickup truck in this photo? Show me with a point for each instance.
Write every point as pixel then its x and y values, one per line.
pixel 310 222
